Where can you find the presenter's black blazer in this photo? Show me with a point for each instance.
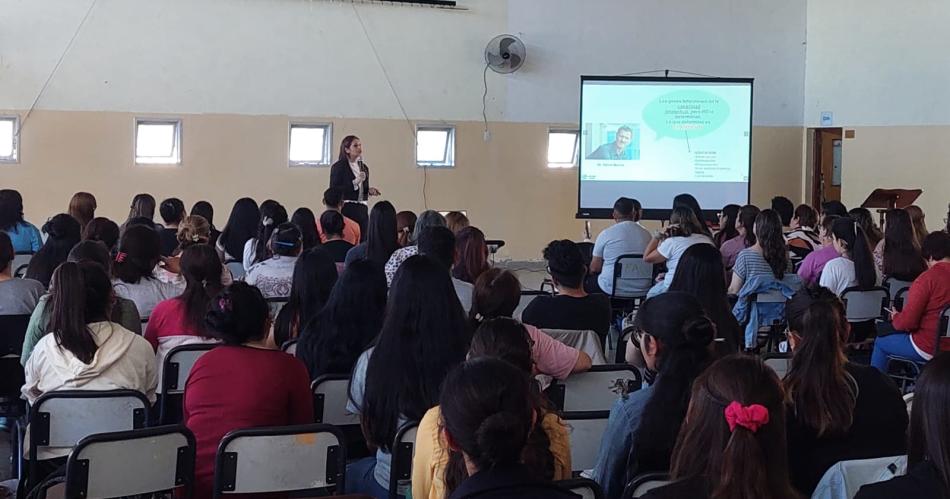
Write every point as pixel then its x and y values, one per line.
pixel 341 177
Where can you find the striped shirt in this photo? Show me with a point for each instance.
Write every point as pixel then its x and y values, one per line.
pixel 750 263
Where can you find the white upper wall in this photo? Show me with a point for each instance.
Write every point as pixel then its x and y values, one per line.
pixel 311 57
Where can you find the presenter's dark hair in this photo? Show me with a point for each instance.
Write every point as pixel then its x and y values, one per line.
pixel 625 207
pixel 785 209
pixel 345 144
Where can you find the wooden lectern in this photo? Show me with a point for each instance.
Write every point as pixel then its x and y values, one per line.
pixel 886 199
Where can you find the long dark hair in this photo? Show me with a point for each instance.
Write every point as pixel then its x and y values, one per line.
pixel 850 233
pixel 102 229
pixel 929 438
pixel 63 232
pixel 139 253
pixel 807 217
pixel 768 233
pixel 863 217
pixel 333 340
pixel 739 463
pixel 143 206
pixel 11 209
pixel 81 294
pixel 345 144
pixel 747 216
pixel 472 254
pixel 273 214
pixel 688 201
pixel 687 222
pixel 241 226
pixel 201 268
pixel 497 294
pixel 700 273
pixel 902 257
pixel 381 240
pixel 727 230
pixel 679 324
pixel 306 223
pixel 204 209
pixel 314 277
pixel 821 391
pixel 238 314
pixel 423 336
pixel 917 217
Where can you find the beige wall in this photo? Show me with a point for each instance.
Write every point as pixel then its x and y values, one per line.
pixel 504 184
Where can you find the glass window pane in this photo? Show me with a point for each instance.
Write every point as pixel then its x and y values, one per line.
pixel 431 146
pixel 6 138
pixel 561 147
pixel 155 140
pixel 306 144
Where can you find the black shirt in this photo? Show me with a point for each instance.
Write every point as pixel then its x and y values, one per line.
pixel 689 488
pixel 513 483
pixel 566 312
pixel 921 482
pixel 878 430
pixel 337 249
pixel 169 239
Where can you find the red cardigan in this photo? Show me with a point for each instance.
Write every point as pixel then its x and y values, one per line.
pixel 921 314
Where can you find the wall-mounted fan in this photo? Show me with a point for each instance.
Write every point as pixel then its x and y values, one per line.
pixel 505 54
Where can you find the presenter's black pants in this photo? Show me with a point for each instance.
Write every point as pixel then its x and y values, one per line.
pixel 359 213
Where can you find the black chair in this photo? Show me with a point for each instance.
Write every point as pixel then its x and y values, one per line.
pixel 631 269
pixel 21 262
pixel 175 371
pixel 779 362
pixel 12 334
pixel 641 484
pixel 403 450
pixel 527 296
pixel 584 487
pixel 894 287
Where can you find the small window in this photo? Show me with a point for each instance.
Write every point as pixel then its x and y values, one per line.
pixel 309 144
pixel 9 145
pixel 435 146
pixel 158 142
pixel 562 148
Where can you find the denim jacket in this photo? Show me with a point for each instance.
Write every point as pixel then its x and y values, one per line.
pixel 756 315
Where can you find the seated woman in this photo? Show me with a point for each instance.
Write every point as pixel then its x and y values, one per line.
pixel 488 413
pixel 898 254
pixel 85 351
pixel 332 223
pixel 838 410
pixel 193 230
pixel 701 274
pixel 437 471
pixel 424 335
pixel 497 294
pixel 745 238
pixel 456 221
pixel 346 326
pixel 17 296
pixel 134 275
pixel 82 207
pixel 24 236
pixel 307 224
pixel 314 277
pixel 928 456
pixel 172 211
pixel 732 444
pixel 571 308
pixel 917 323
pixel 244 383
pixel 854 265
pixel 768 257
pixel 258 248
pixel 275 275
pixel 803 238
pixel 62 234
pixel 864 219
pixel 428 218
pixel 471 254
pixel 673 336
pixel 102 229
pixel 814 263
pixel 405 222
pixel 727 224
pixel 381 238
pixel 667 247
pixel 204 210
pixel 239 229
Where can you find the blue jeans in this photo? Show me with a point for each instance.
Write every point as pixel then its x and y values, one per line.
pixel 898 345
pixel 361 479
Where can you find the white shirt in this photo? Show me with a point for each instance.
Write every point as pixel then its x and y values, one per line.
pixel 147 293
pixel 250 251
pixel 672 248
pixel 464 291
pixel 274 277
pixel 619 239
pixel 838 275
pixel 355 167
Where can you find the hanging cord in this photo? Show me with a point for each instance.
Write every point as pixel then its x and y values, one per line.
pixel 666 73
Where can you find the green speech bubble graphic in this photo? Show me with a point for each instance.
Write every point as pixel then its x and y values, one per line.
pixel 684 114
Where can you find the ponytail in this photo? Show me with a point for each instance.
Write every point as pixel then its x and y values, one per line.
pixel 201 267
pixel 80 294
pixel 272 215
pixel 856 242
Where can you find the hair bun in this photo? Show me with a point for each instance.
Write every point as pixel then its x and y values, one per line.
pixel 699 332
pixel 500 438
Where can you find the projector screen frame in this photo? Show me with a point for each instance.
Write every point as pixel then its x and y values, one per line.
pixel 657 213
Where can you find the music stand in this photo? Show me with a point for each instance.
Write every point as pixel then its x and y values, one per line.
pixel 886 199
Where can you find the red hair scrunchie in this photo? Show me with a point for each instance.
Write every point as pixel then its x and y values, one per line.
pixel 751 417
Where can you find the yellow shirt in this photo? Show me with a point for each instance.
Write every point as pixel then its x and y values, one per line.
pixel 431 454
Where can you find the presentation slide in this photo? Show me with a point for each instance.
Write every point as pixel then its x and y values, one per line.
pixel 654 138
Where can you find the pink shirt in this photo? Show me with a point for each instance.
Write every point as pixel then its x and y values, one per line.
pixel 551 356
pixel 168 328
pixel 730 250
pixel 815 262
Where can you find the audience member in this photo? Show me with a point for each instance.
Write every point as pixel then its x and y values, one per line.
pixel 668 246
pixel 571 308
pixel 346 326
pixel 24 236
pixel 928 448
pixel 205 210
pixel 62 233
pixel 240 228
pixel 244 383
pixel 497 294
pixel 803 238
pixel 104 230
pixel 732 443
pixel 134 270
pixel 673 336
pixel 438 243
pixel 313 279
pixel 863 217
pixel 428 218
pixel 917 218
pixel 745 237
pixel 172 211
pixel 424 335
pixel 854 265
pixel 193 230
pixel 382 236
pixel 767 258
pixel 306 223
pixel 141 211
pixel 472 254
pixel 625 237
pixel 332 227
pixel 17 296
pixel 405 221
pixel 727 224
pixel 917 323
pixel 836 208
pixel 898 254
pixel 333 201
pixel 456 221
pixel 688 201
pixel 814 263
pixel 701 274
pixel 123 312
pixel 838 410
pixel 82 207
pixel 785 209
pixel 275 275
pixel 258 249
pixel 489 419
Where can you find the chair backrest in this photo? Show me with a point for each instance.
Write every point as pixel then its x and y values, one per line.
pixel 527 296
pixel 178 363
pixel 631 272
pixel 290 346
pixel 770 296
pixel 330 395
pixel 943 327
pixel 844 478
pixel 863 305
pixel 585 340
pixel 21 261
pixel 276 303
pixel 596 389
pixel 128 463
pixel 237 269
pixel 586 430
pixel 584 487
pixel 12 333
pixel 899 298
pixel 403 451
pixel 641 484
pixel 779 362
pixel 280 459
pixel 893 286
